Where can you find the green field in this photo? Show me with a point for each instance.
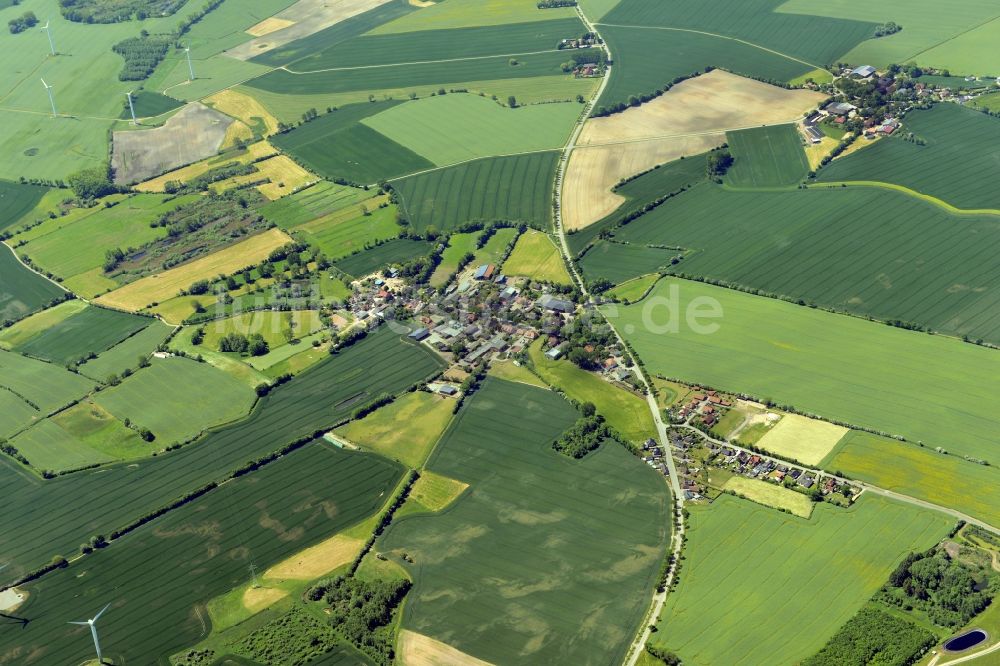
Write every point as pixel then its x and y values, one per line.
pixel 756 576
pixel 634 289
pixel 405 431
pixel 45 386
pixel 340 234
pixel 945 36
pixel 471 13
pixel 544 559
pixel 50 519
pixel 92 330
pixel 813 39
pixel 458 246
pixel 624 411
pixel 49 447
pixel 396 251
pixel 273 326
pixel 448 129
pixel 766 157
pixel 196 553
pixel 841 368
pixel 663 180
pixel 126 353
pixel 23 292
pixel 946 480
pixel 537 257
pixel 959 164
pixel 516 188
pixel 148 104
pixel 154 397
pixel 314 202
pixel 410 76
pixel 17 200
pixel 880 245
pixel 646 59
pixel 362 155
pixel 29 327
pixel 422 46
pixel 990 102
pixel 78 248
pixel 621 262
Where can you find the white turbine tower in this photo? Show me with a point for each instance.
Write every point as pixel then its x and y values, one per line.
pixel 187 51
pixel 93 630
pixel 52 100
pixel 48 31
pixel 130 107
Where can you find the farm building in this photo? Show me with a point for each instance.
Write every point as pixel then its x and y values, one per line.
pixel 420 334
pixel 549 302
pixel 864 71
pixel 839 108
pixel 484 272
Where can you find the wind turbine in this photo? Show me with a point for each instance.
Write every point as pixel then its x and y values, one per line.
pixel 93 630
pixel 187 51
pixel 48 31
pixel 130 107
pixel 52 100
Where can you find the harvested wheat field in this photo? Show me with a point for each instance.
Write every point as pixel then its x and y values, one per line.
pixel 243 107
pixel 803 439
pixel 194 133
pixel 267 26
pixel 317 560
pixel 592 172
pixel 284 176
pixel 304 18
pixel 166 285
pixel 419 650
pixel 691 118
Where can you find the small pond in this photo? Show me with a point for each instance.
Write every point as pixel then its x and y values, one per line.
pixel 965 641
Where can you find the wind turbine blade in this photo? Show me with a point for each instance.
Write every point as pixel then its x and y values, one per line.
pixel 80 623
pixel 101 613
pixel 44 83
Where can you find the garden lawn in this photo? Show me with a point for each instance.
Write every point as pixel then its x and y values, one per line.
pixel 452 128
pixel 156 398
pixel 517 188
pixel 624 411
pixel 753 575
pixel 842 368
pixel 537 257
pixel 405 431
pixel 543 559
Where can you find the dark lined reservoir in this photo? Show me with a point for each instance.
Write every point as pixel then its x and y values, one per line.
pixel 966 640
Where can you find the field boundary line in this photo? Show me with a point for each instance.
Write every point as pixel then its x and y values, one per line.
pixel 940 203
pixel 415 62
pixel 714 34
pixel 39 274
pixel 951 39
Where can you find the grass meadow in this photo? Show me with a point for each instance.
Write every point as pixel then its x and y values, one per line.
pixel 43 386
pixel 766 157
pixel 348 230
pixel 770 495
pixel 405 431
pixel 275 327
pixel 841 368
pixel 921 472
pixel 878 243
pixel 24 291
pixel 471 13
pixel 93 329
pixel 756 576
pixel 24 330
pixel 624 411
pixel 537 257
pixel 516 188
pixel 313 402
pixel 196 553
pixel 458 246
pixel 126 353
pixel 958 164
pixel 543 559
pixel 156 396
pixel 458 127
pixel 314 202
pixel 635 289
pixel 396 251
